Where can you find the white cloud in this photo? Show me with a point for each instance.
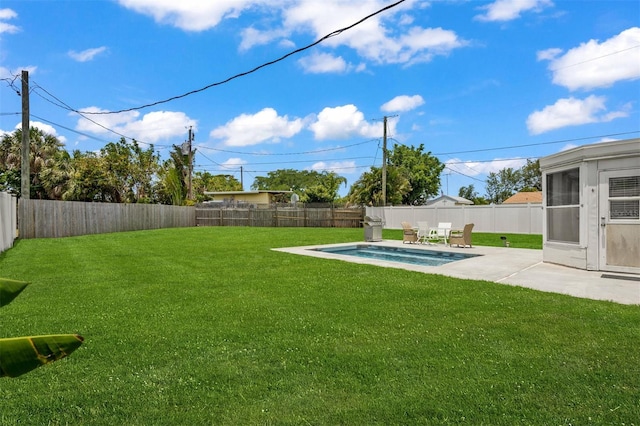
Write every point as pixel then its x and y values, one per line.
pixel 253 37
pixel 264 126
pixel 8 14
pixel 475 168
pixel 15 76
pixel 191 15
pixel 508 10
pixel 151 128
pixel 380 39
pixel 385 38
pixel 318 63
pixel 233 163
pixel 339 167
pixel 86 55
pixel 593 64
pixel 5 15
pixel 402 103
pixel 344 122
pixel 46 128
pixel 548 54
pixel 572 112
pixel 568 146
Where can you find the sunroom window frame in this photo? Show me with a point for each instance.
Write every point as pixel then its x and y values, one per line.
pixel 551 207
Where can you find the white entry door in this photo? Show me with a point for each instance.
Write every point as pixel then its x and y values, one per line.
pixel 619 206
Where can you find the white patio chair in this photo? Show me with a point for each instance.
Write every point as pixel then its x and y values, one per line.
pixel 423 232
pixel 441 233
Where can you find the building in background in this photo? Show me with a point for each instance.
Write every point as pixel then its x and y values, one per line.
pixel 534 197
pixel 448 201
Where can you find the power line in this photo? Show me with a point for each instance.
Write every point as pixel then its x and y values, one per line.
pixel 65 106
pixel 596 58
pixel 297 161
pixel 339 148
pixel 467 176
pixel 491 161
pixel 537 144
pixel 242 74
pixel 69 129
pixel 267 171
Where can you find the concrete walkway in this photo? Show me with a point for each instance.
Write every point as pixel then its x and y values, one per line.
pixel 512 266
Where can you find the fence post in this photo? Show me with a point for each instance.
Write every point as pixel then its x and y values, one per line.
pixel 305 216
pixel 333 217
pixel 275 215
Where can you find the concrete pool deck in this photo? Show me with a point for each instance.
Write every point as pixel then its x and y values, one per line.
pixel 512 266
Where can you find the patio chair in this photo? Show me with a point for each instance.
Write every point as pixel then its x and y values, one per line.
pixel 441 233
pixel 408 233
pixel 461 238
pixel 423 232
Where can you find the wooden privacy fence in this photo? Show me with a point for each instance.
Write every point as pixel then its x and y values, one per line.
pixel 275 216
pixel 52 219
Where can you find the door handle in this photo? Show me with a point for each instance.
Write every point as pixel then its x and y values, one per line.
pixel 603 222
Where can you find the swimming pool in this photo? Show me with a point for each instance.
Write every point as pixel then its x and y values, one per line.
pixel 398 254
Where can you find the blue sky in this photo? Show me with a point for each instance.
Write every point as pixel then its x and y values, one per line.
pixel 483 85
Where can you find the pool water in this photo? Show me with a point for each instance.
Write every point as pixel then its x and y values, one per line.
pixel 398 254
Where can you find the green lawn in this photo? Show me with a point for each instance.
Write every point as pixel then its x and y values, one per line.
pixel 209 326
pixel 486 239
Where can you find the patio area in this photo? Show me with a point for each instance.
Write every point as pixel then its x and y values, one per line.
pixel 511 266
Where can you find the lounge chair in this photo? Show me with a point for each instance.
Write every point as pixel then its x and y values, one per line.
pixel 461 238
pixel 408 233
pixel 423 232
pixel 441 233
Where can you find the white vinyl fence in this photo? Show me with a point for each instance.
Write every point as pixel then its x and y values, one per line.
pixel 8 220
pixel 506 218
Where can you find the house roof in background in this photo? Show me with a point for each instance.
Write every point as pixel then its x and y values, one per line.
pixel 524 198
pixel 454 199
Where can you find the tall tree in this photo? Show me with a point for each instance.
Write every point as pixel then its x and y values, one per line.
pixel 412 177
pixel 421 169
pixel 284 179
pixel 56 179
pixel 43 152
pixel 325 190
pixel 87 179
pixel 205 181
pixel 310 185
pixel 117 160
pixel 129 171
pixel 503 184
pixel 368 188
pixel 172 187
pixel 531 176
pixel 471 194
pixel 508 181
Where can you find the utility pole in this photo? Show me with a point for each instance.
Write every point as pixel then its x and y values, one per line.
pixel 186 150
pixel 241 178
pixel 448 183
pixel 384 162
pixel 190 186
pixel 24 160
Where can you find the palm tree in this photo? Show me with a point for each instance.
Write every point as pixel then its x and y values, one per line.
pixel 368 189
pixel 44 150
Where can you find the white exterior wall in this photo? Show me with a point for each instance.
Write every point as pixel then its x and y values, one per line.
pixel 591 160
pixel 8 220
pixel 506 218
